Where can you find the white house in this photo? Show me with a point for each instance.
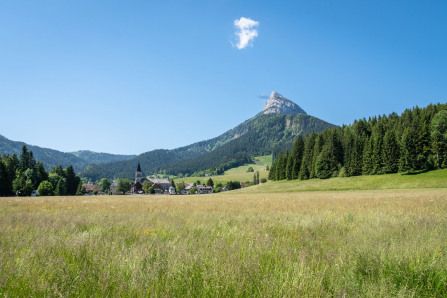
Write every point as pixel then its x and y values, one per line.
pixel 202 189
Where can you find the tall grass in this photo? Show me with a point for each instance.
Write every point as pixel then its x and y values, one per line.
pixel 349 243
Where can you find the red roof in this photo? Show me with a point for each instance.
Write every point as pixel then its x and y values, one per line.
pixel 91 187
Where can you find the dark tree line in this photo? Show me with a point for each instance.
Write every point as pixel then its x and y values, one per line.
pixel 21 175
pixel 412 142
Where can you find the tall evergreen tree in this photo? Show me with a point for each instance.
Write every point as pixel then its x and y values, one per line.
pixel 3 180
pixel 24 159
pixel 281 166
pixel 272 172
pixel 348 144
pixel 72 180
pixel 439 138
pixel 391 152
pixel 41 173
pixel 289 167
pixel 367 167
pixel 408 155
pixel 318 146
pixel 61 188
pixel 323 162
pixel 356 158
pixel 377 148
pixel 306 164
pixel 297 156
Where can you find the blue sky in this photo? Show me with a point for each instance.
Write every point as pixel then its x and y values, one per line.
pixel 132 76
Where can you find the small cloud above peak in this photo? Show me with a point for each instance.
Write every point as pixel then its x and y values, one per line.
pixel 246 32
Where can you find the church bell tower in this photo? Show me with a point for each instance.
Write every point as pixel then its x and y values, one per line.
pixel 138 174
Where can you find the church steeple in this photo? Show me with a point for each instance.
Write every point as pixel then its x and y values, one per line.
pixel 138 174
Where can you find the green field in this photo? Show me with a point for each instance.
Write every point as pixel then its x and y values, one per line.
pixel 273 241
pixel 236 174
pixel 432 179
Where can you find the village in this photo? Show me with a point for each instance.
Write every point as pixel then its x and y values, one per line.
pixel 158 186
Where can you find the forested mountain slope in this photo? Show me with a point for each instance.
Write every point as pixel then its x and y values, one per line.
pixel 49 157
pixel 255 136
pixel 91 157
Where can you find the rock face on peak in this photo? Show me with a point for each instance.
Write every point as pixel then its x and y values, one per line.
pixel 278 104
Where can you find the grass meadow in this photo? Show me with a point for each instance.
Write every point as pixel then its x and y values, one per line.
pixel 314 243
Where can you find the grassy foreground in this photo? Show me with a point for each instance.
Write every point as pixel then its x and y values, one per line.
pixel 331 243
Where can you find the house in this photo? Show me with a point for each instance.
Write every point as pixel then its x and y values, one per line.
pixel 90 188
pixel 202 189
pixel 112 188
pixel 162 184
pixel 157 189
pixel 189 186
pixel 172 190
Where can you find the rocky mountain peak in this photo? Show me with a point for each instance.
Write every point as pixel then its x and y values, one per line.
pixel 278 104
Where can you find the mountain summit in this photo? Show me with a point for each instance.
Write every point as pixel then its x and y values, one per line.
pixel 278 105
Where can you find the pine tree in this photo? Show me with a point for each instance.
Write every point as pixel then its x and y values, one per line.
pixel 289 167
pixel 439 137
pixel 323 168
pixel 297 156
pixel 306 164
pixel 318 145
pixel 377 148
pixel 390 152
pixel 407 162
pixel 3 180
pixel 356 158
pixel 348 144
pixel 41 173
pixel 60 189
pixel 72 181
pixel 367 167
pixel 24 159
pixel 272 172
pixel 281 166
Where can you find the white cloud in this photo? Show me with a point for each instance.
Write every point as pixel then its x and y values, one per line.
pixel 246 32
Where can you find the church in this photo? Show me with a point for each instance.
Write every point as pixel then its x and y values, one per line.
pixel 160 185
pixel 137 186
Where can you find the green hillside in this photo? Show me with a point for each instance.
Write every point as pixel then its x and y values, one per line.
pixel 256 136
pixel 91 157
pixel 240 173
pixel 49 157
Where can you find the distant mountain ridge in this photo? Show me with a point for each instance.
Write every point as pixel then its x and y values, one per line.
pixel 100 157
pixel 51 158
pixel 281 121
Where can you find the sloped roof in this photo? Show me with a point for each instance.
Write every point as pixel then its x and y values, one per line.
pixel 204 187
pixel 159 181
pixel 91 187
